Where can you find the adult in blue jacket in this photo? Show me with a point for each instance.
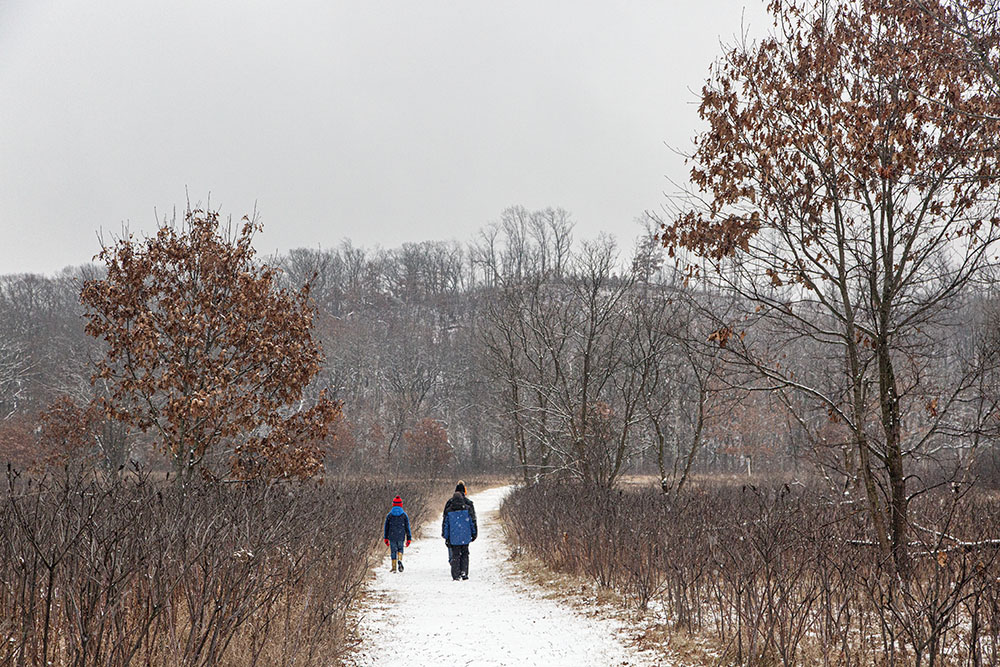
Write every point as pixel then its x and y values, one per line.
pixel 397 528
pixel 459 529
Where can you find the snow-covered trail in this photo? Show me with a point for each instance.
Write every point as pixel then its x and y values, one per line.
pixel 421 617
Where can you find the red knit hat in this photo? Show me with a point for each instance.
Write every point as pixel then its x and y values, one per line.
pixel 397 502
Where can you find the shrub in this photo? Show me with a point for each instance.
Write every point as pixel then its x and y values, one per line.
pixel 779 575
pixel 129 570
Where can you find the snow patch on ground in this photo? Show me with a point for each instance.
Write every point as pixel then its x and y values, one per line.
pixel 421 617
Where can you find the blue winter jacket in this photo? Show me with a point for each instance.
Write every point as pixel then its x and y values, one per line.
pixel 397 525
pixel 458 525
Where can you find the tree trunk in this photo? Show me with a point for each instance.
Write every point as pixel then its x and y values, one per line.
pixel 861 440
pixel 889 404
pixel 522 448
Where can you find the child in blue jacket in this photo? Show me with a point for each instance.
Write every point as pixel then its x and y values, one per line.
pixel 397 528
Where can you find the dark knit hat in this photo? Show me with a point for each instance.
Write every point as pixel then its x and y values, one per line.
pixel 397 502
pixel 460 487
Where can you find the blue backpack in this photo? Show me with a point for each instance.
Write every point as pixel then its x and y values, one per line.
pixel 458 527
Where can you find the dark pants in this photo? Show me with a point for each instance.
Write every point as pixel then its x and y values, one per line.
pixel 459 560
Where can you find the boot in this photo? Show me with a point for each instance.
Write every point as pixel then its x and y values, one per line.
pixel 400 564
pixel 393 565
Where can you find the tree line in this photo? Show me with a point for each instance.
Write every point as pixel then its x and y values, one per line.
pixel 438 354
pixel 525 349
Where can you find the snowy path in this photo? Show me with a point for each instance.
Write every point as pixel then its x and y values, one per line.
pixel 421 617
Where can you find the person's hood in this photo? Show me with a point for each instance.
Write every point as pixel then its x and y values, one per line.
pixel 396 511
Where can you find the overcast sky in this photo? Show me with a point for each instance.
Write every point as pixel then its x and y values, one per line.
pixel 383 122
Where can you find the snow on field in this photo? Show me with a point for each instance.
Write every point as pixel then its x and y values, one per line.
pixel 421 617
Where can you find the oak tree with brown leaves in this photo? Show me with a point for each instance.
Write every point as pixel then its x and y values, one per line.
pixel 847 209
pixel 207 352
pixel 973 26
pixel 427 445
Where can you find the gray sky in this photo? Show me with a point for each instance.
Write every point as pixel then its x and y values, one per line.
pixel 379 121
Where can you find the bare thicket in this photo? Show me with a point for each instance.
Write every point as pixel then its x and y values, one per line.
pixel 126 570
pixel 778 574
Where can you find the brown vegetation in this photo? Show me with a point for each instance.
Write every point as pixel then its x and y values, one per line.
pixel 427 446
pixel 207 351
pixel 124 570
pixel 778 575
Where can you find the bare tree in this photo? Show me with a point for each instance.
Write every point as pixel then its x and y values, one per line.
pixel 15 368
